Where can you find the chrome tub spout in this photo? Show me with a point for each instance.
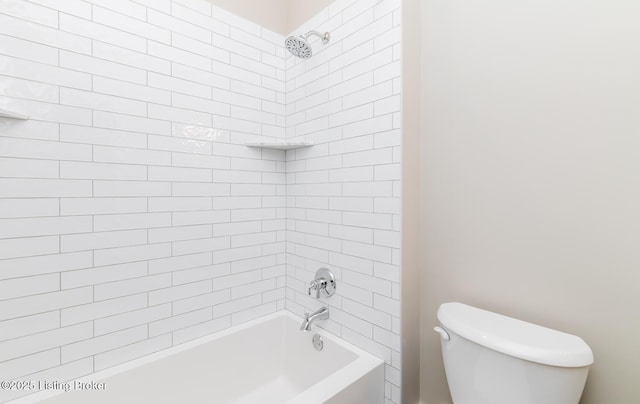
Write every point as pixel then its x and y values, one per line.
pixel 321 314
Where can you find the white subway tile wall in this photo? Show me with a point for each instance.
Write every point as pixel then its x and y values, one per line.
pixel 343 194
pixel 132 216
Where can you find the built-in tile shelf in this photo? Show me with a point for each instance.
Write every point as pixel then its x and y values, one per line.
pixel 5 113
pixel 279 145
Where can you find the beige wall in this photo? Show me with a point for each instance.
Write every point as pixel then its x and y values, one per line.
pixel 300 11
pixel 531 175
pixel 281 16
pixel 411 180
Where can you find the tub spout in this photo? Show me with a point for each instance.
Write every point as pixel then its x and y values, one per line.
pixel 321 314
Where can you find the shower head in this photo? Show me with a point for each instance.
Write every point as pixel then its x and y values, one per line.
pixel 298 45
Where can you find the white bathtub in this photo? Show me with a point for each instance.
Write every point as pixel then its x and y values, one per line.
pixel 265 361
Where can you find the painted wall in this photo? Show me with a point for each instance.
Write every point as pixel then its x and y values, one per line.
pixel 132 216
pixel 299 12
pixel 343 194
pixel 530 165
pixel 411 189
pixel 272 14
pixel 281 16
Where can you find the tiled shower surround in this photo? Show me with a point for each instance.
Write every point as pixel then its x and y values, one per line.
pixel 134 218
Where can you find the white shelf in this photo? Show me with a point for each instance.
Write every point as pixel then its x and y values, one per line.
pixel 5 113
pixel 279 145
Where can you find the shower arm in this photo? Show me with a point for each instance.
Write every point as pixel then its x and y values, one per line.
pixel 325 37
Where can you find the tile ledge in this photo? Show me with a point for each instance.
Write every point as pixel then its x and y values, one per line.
pixel 279 145
pixel 5 113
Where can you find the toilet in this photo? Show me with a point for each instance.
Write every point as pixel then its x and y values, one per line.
pixel 494 359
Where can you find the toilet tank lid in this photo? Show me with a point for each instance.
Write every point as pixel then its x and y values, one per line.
pixel 515 337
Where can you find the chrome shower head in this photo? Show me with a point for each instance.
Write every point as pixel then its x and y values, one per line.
pixel 298 45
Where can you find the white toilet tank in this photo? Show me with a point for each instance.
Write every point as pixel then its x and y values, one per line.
pixel 494 359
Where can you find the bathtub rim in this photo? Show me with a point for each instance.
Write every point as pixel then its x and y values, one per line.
pixel 362 365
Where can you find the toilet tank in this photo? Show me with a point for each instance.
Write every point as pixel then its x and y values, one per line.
pixel 494 359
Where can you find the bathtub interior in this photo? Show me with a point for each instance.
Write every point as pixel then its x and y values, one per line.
pixel 270 361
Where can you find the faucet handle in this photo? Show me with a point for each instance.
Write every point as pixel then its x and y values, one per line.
pixel 313 285
pixel 317 284
pixel 324 281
